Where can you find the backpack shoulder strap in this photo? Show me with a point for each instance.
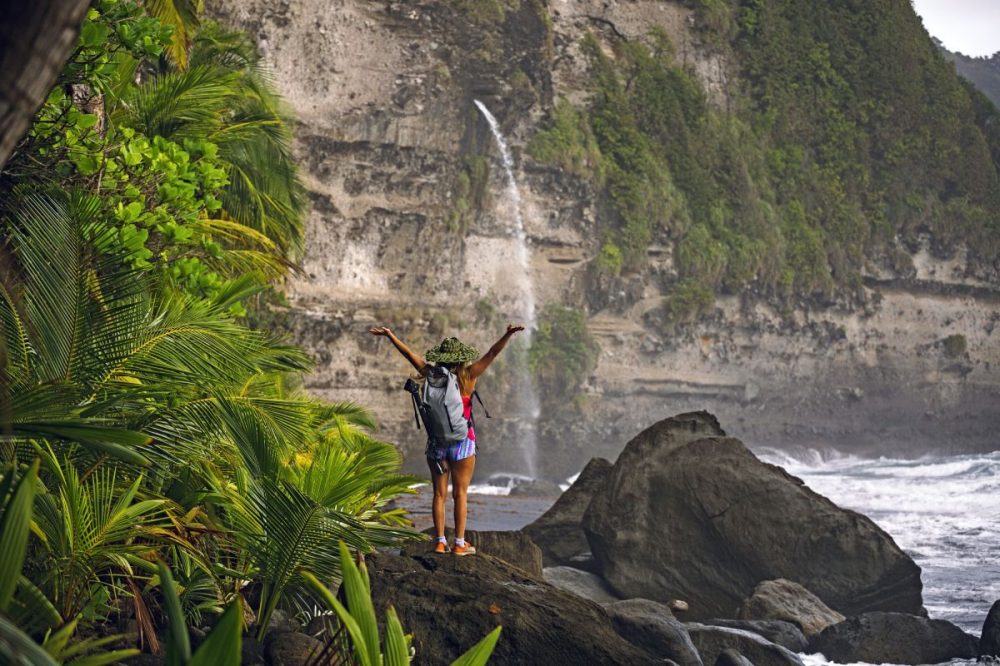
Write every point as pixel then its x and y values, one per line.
pixel 475 394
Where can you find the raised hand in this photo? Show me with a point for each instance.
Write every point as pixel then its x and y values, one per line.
pixel 514 328
pixel 380 330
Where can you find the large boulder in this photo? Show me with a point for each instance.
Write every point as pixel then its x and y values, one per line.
pixel 989 644
pixel 713 641
pixel 779 632
pixel 512 546
pixel 730 657
pixel 687 512
pixel 581 583
pixel 292 649
pixel 558 531
pixel 652 626
pixel 449 603
pixel 896 638
pixel 787 600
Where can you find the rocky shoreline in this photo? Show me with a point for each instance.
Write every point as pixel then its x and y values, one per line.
pixel 767 570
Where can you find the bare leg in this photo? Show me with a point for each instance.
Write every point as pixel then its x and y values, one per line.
pixel 461 477
pixel 440 483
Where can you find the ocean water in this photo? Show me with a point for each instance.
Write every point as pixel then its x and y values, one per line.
pixel 944 511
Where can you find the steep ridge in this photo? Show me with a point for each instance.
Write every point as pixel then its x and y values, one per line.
pixel 408 229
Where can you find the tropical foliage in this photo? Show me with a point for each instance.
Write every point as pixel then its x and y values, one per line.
pixel 161 466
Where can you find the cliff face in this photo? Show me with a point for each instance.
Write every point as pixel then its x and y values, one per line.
pixel 410 228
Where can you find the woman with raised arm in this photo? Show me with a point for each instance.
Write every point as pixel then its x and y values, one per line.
pixel 454 459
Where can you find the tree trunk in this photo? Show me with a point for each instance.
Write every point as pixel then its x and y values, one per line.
pixel 36 38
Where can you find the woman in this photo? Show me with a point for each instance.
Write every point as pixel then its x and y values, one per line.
pixel 457 460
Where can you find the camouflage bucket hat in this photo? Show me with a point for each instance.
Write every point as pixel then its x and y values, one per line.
pixel 451 350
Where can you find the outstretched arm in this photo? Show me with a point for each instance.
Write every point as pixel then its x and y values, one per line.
pixel 415 359
pixel 480 366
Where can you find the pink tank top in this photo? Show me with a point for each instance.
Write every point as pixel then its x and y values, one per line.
pixel 467 413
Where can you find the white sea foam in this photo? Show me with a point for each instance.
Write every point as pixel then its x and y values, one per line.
pixel 943 510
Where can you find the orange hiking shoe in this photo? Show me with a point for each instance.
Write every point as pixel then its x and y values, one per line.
pixel 467 549
pixel 441 548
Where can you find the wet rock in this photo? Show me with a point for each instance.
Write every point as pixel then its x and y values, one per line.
pixel 688 512
pixel 896 638
pixel 652 626
pixel 786 600
pixel 581 583
pixel 512 546
pixel 779 632
pixel 989 644
pixel 450 603
pixel 536 488
pixel 291 649
pixel 730 657
pixel 713 641
pixel 558 532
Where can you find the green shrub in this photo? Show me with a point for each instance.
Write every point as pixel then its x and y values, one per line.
pixel 563 353
pixel 687 302
pixel 566 141
pixel 955 345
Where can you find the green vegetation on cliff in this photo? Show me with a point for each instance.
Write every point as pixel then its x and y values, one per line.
pixel 563 353
pixel 847 134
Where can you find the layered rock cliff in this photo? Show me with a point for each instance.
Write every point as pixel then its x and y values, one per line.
pixel 410 228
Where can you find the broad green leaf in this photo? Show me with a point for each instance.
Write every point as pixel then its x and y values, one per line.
pixel 359 599
pixel 397 649
pixel 14 528
pixel 223 646
pixel 357 638
pixel 178 642
pixel 480 653
pixel 105 658
pixel 16 645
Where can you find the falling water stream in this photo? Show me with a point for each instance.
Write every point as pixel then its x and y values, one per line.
pixel 525 391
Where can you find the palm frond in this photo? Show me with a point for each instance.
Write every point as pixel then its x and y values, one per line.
pixel 183 16
pixel 180 105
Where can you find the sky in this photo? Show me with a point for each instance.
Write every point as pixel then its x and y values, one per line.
pixel 971 27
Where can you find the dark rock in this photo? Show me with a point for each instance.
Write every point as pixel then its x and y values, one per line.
pixel 512 546
pixel 320 626
pixel 713 641
pixel 786 600
pixel 896 638
pixel 291 649
pixel 282 622
pixel 687 512
pixel 536 488
pixel 251 652
pixel 558 531
pixel 730 657
pixel 148 660
pixel 989 644
pixel 652 626
pixel 779 632
pixel 450 603
pixel 581 583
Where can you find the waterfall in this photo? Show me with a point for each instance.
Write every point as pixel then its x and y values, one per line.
pixel 525 391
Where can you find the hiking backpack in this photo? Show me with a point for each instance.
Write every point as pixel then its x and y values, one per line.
pixel 438 403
